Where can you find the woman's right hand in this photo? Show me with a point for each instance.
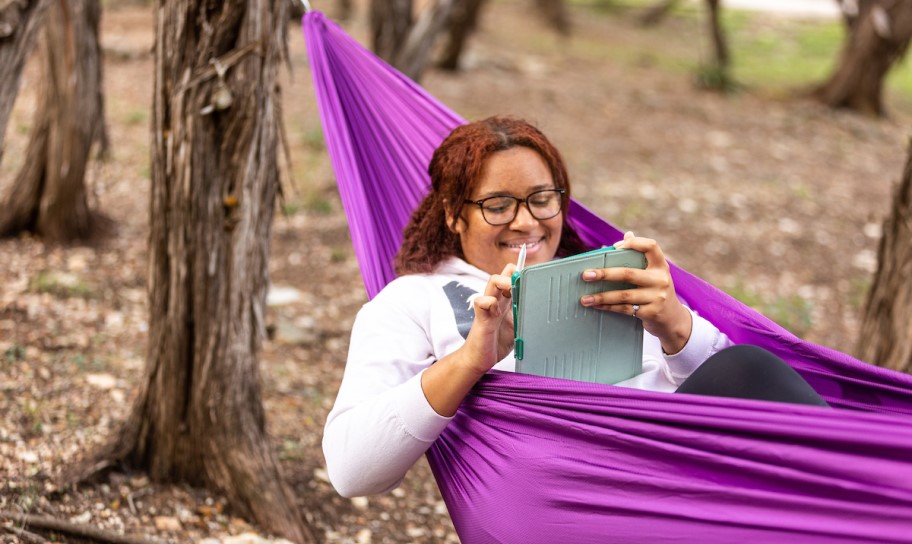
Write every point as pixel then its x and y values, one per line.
pixel 491 337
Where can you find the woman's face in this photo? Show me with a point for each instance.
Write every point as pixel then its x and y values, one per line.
pixel 517 172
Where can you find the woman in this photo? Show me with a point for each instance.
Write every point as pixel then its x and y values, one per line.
pixel 423 342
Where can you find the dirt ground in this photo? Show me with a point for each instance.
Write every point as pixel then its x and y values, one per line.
pixel 769 196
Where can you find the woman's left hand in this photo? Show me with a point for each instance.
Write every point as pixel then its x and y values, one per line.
pixel 653 301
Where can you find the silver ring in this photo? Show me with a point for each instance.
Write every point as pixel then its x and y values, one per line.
pixel 636 308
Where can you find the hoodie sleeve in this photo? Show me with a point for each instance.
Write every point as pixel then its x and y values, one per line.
pixel 381 423
pixel 705 340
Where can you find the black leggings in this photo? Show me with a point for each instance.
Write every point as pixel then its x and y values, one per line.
pixel 749 372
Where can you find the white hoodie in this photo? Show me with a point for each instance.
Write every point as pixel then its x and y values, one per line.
pixel 381 423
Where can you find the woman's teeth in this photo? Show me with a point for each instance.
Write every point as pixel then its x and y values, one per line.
pixel 529 245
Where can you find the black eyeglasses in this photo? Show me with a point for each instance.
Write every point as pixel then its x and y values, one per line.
pixel 501 210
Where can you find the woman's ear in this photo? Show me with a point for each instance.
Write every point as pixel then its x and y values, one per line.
pixel 455 224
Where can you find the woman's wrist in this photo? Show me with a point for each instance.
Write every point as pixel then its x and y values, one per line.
pixel 448 381
pixel 678 334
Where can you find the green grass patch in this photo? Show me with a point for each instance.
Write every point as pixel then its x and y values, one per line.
pixel 791 312
pixel 858 291
pixel 339 254
pixel 769 53
pixel 310 201
pixel 320 204
pixel 313 139
pixel 292 450
pixel 14 353
pixel 135 117
pixel 777 53
pixel 62 284
pixel 32 412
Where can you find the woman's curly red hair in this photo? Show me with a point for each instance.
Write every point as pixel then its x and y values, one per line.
pixel 455 168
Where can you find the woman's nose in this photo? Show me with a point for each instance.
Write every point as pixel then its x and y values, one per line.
pixel 523 217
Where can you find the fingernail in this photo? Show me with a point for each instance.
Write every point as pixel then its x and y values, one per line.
pixel 587 300
pixel 589 275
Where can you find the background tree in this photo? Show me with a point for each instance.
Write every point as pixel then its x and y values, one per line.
pixel 344 9
pixel 19 24
pixel 555 15
pixel 875 41
pixel 886 327
pixel 48 196
pixel 463 21
pixel 717 74
pixel 657 12
pixel 390 22
pixel 403 41
pixel 198 417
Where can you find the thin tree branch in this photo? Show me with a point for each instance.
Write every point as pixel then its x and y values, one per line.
pixel 48 523
pixel 26 536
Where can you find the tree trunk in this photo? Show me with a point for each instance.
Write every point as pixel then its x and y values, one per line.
pixel 49 194
pixel 555 14
pixel 720 44
pixel 880 38
pixel 413 56
pixel 463 21
pixel 390 22
pixel 19 24
pixel 715 75
pixel 849 10
pixel 199 416
pixel 886 328
pixel 344 10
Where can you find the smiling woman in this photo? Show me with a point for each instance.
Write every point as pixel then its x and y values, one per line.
pixel 421 345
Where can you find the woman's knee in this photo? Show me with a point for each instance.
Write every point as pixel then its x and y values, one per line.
pixel 747 371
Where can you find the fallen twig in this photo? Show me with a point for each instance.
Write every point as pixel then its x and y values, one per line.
pixel 25 536
pixel 48 523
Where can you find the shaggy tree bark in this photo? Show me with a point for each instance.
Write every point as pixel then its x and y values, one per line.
pixel 415 53
pixel 463 21
pixel 199 417
pixel 879 38
pixel 886 328
pixel 390 22
pixel 19 24
pixel 49 194
pixel 403 42
pixel 342 12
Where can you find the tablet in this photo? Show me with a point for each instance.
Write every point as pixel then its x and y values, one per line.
pixel 556 336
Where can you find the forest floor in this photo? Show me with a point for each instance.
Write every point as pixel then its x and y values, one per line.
pixel 766 194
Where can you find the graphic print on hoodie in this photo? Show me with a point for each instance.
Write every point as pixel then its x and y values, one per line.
pixel 461 298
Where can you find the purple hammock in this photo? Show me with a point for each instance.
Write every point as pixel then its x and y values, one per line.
pixel 538 460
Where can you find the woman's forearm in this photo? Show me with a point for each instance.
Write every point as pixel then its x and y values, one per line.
pixel 447 382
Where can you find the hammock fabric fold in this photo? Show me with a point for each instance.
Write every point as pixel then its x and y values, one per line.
pixel 537 460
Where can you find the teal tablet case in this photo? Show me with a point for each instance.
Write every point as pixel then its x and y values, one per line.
pixel 557 336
